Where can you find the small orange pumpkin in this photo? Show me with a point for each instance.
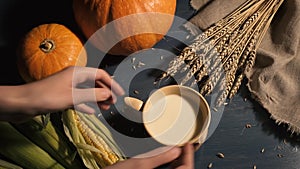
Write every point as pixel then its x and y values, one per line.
pixel 148 28
pixel 47 49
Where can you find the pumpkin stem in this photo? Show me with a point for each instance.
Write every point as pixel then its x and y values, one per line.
pixel 47 45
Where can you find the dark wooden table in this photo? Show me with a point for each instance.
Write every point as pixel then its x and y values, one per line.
pixel 263 143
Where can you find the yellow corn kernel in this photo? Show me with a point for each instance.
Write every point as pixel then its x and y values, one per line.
pixel 105 156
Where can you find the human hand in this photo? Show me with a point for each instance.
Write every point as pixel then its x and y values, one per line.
pixel 76 86
pixel 186 160
pixel 73 86
pixel 178 158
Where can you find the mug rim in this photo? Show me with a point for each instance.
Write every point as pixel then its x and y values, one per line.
pixel 199 137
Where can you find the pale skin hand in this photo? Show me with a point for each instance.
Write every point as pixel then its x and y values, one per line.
pixel 57 92
pixel 178 158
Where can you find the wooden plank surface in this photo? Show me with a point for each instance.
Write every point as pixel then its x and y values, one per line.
pixel 241 146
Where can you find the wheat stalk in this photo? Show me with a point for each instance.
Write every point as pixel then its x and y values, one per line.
pixel 228 47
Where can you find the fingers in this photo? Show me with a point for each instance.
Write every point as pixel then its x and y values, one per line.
pixel 107 81
pixel 91 95
pixel 104 105
pixel 188 155
pixel 84 108
pixel 113 96
pixel 83 74
pixel 186 159
pixel 154 159
pixel 103 93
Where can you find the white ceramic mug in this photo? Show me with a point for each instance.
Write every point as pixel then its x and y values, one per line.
pixel 175 115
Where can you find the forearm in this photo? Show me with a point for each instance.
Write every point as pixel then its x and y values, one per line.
pixel 15 99
pixel 58 92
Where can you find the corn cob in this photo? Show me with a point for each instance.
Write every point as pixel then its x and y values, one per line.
pixel 94 144
pixel 101 130
pixel 71 130
pixel 105 156
pixel 23 152
pixel 52 140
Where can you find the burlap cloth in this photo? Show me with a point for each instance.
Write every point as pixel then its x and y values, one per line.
pixel 274 80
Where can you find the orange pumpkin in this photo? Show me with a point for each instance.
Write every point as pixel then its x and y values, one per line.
pixel 47 49
pixel 153 20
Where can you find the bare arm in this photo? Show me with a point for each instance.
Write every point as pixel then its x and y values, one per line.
pixel 58 92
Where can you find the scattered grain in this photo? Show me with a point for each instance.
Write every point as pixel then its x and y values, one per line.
pixel 132 60
pixel 220 155
pixel 279 147
pixel 248 126
pixel 295 150
pixel 210 165
pixel 279 155
pixel 133 67
pixel 140 64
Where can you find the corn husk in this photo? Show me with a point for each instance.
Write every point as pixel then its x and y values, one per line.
pixel 92 139
pixel 23 152
pixel 52 139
